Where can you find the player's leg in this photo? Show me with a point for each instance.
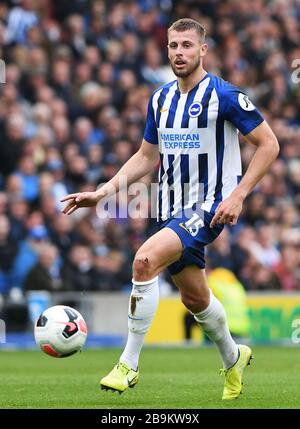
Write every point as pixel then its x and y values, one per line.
pixel 207 310
pixel 159 251
pixel 154 255
pixel 210 314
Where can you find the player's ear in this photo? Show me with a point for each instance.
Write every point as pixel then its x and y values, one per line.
pixel 203 49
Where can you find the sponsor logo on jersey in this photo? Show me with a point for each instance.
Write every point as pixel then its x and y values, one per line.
pixel 180 140
pixel 245 103
pixel 184 227
pixel 195 109
pixel 182 145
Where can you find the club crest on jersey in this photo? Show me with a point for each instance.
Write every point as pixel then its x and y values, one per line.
pixel 245 103
pixel 195 109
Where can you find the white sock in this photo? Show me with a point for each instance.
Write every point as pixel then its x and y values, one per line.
pixel 143 303
pixel 214 323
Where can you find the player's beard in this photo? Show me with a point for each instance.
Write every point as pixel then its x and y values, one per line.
pixel 188 71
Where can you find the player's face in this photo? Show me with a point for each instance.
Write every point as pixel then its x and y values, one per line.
pixel 185 52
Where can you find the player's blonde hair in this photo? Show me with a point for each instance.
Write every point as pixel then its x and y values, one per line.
pixel 185 24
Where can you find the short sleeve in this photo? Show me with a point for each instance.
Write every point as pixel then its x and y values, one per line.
pixel 239 110
pixel 150 133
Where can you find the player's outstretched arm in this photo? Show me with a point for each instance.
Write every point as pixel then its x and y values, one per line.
pixel 267 151
pixel 138 166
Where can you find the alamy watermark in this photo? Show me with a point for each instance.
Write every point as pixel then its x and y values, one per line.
pixel 296 331
pixel 2 71
pixel 2 332
pixel 140 200
pixel 296 73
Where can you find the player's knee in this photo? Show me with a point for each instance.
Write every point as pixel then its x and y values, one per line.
pixel 195 303
pixel 144 268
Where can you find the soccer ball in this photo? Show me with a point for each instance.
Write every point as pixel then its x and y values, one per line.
pixel 60 331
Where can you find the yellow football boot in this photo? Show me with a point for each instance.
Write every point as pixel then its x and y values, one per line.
pixel 233 376
pixel 120 378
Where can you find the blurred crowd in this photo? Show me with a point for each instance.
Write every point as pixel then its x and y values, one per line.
pixel 78 78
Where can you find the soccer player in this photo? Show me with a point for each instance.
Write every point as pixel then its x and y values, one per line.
pixel 192 127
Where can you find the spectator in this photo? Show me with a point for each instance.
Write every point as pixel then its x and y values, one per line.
pixel 78 273
pixel 264 249
pixel 11 143
pixel 27 255
pixel 44 275
pixel 8 251
pixel 263 279
pixel 29 179
pixel 20 19
pixel 220 251
pixel 287 269
pixel 62 234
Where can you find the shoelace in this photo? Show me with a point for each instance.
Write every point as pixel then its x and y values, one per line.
pixel 123 368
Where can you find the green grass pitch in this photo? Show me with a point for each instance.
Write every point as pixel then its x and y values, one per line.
pixel 171 378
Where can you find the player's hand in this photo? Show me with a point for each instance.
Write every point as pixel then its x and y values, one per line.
pixel 81 199
pixel 228 211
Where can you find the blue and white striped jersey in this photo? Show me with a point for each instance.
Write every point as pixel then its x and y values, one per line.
pixel 197 134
